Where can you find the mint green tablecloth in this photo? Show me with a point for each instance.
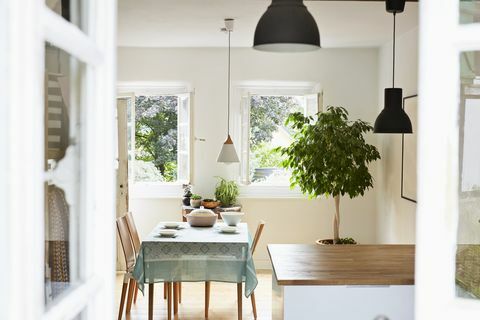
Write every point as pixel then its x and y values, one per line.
pixel 197 254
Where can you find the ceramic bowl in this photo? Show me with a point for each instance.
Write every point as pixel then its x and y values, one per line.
pixel 232 218
pixel 167 233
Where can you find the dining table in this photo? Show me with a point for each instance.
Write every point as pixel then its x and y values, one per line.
pixel 195 254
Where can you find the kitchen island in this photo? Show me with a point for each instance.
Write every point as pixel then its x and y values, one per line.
pixel 342 281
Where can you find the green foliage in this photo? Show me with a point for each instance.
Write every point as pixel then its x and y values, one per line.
pixel 264 156
pixel 346 241
pixel 196 197
pixel 156 133
pixel 226 192
pixel 329 156
pixel 266 113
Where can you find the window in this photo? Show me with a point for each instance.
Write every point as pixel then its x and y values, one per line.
pixel 158 136
pixel 264 130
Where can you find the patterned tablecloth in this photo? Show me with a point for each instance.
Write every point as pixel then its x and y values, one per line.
pixel 197 254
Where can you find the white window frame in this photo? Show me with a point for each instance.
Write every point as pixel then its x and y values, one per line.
pixel 148 190
pixel 242 93
pixel 442 39
pixel 29 25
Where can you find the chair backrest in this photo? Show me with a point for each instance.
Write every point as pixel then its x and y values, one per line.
pixel 258 233
pixel 132 229
pixel 127 246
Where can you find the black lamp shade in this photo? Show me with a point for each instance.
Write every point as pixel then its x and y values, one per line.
pixel 393 118
pixel 287 26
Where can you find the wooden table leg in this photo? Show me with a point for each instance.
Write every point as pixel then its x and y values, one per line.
pixel 175 298
pixel 239 300
pixel 150 301
pixel 207 298
pixel 169 300
pixel 179 292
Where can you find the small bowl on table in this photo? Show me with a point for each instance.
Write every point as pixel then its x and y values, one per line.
pixel 232 218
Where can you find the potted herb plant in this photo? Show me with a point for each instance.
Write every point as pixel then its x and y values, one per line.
pixel 195 200
pixel 329 156
pixel 226 192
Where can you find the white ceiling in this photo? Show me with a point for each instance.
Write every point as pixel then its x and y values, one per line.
pixel 197 23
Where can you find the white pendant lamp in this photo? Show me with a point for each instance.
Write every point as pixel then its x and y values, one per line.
pixel 228 153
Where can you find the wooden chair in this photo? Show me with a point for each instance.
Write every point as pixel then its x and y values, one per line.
pixel 256 238
pixel 132 230
pixel 129 253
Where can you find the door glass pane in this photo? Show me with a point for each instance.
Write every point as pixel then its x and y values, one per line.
pixel 469 11
pixel 468 250
pixel 70 10
pixel 63 156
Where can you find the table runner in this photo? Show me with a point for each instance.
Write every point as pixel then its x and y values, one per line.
pixel 197 254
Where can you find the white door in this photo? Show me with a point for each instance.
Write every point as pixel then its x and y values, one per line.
pixel 57 169
pixel 448 216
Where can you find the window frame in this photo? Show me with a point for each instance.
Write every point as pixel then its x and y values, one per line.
pixel 29 25
pixel 152 190
pixel 242 93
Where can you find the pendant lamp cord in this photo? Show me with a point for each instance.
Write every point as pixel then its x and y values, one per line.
pixel 393 74
pixel 228 104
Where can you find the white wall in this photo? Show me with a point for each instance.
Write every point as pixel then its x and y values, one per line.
pixel 349 78
pixel 396 216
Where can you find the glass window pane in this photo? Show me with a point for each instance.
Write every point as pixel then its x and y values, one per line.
pixel 63 156
pixel 156 138
pixel 469 11
pixel 70 10
pixel 468 250
pixel 267 132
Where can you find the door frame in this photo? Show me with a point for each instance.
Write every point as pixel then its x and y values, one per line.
pixel 441 41
pixel 27 26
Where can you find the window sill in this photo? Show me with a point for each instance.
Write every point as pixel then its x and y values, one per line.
pixel 269 192
pixel 155 190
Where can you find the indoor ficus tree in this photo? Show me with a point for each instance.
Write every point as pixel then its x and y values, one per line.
pixel 329 156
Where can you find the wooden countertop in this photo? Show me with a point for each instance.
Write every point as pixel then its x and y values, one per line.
pixel 303 264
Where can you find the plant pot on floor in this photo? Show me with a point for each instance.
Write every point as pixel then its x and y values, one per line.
pixel 340 241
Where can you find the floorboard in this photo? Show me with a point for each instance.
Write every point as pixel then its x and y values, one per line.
pixel 223 301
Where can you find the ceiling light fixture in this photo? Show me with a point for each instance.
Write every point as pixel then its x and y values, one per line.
pixel 228 153
pixel 287 26
pixel 393 118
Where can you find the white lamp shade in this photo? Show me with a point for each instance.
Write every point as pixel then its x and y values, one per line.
pixel 228 153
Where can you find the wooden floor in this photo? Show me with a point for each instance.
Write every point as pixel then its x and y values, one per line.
pixel 223 301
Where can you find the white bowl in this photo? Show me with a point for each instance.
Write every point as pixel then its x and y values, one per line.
pixel 168 233
pixel 232 218
pixel 171 225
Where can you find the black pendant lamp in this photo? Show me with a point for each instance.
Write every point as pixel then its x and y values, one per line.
pixel 393 118
pixel 286 26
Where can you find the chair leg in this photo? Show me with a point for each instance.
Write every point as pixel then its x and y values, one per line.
pixel 164 291
pixel 150 301
pixel 254 305
pixel 239 300
pixel 122 300
pixel 179 292
pixel 207 298
pixel 136 293
pixel 131 287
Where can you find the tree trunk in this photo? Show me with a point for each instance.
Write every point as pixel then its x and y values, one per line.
pixel 336 220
